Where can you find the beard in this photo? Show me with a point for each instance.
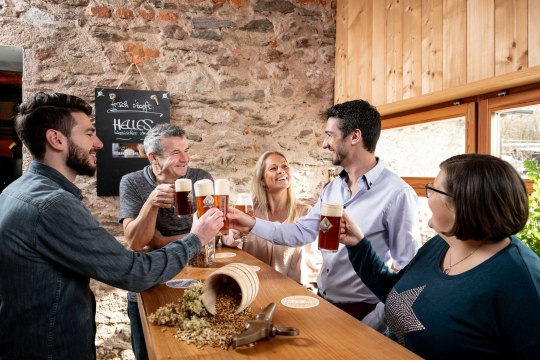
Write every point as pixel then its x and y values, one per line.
pixel 78 160
pixel 339 155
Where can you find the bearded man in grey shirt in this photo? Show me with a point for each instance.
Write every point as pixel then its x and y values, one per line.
pixel 147 210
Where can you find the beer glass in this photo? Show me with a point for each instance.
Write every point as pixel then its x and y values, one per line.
pixel 204 195
pixel 244 203
pixel 222 201
pixel 331 214
pixel 183 197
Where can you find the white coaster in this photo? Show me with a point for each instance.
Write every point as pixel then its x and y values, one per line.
pixel 224 255
pixel 181 283
pixel 300 302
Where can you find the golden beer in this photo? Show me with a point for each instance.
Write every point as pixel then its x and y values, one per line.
pixel 204 195
pixel 329 225
pixel 222 201
pixel 244 204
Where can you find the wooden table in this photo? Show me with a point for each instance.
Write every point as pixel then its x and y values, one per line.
pixel 326 332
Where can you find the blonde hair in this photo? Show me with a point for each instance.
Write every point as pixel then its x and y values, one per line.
pixel 260 196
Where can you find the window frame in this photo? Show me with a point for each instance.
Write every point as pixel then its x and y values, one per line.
pixel 502 102
pixel 477 111
pixel 467 110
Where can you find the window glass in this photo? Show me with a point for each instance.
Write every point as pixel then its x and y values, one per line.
pixel 515 135
pixel 424 214
pixel 417 150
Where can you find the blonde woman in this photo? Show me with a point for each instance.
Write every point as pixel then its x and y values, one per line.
pixel 274 200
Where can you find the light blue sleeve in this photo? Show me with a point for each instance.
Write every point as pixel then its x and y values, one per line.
pixel 304 231
pixel 401 217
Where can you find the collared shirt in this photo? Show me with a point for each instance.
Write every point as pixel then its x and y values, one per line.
pixel 50 246
pixel 385 207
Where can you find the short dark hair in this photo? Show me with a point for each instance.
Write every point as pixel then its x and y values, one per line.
pixel 152 140
pixel 490 198
pixel 46 111
pixel 358 114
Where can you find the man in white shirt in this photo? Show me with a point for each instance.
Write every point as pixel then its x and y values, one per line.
pixel 373 196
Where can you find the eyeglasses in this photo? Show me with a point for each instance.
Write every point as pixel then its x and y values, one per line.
pixel 430 189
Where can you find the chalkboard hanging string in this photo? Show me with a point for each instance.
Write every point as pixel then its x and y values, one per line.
pixel 140 73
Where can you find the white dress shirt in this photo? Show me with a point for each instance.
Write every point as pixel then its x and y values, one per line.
pixel 385 207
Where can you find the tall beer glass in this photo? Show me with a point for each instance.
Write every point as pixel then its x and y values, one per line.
pixel 331 214
pixel 244 203
pixel 222 201
pixel 184 200
pixel 204 194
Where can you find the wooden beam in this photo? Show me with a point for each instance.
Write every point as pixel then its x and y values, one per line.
pixel 506 81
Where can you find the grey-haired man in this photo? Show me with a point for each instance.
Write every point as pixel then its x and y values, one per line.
pixel 147 210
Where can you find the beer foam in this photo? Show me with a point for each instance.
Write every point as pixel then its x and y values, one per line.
pixel 222 186
pixel 182 185
pixel 332 209
pixel 243 199
pixel 204 187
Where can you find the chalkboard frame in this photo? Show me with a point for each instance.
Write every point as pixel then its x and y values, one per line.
pixel 123 118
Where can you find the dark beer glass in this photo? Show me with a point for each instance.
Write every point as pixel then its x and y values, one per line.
pixel 183 197
pixel 331 214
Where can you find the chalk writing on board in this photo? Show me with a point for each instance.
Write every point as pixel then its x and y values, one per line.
pixel 136 107
pixel 123 118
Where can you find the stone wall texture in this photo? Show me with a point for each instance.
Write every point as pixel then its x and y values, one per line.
pixel 244 76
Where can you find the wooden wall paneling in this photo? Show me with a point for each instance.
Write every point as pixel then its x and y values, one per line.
pixel 394 51
pixel 454 43
pixel 360 43
pixel 510 36
pixel 480 40
pixel 501 82
pixel 431 45
pixel 533 38
pixel 378 89
pixel 342 36
pixel 412 48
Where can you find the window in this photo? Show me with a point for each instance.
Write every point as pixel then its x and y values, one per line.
pixel 504 124
pixel 414 145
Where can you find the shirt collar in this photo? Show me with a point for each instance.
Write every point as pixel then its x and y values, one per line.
pixel 368 178
pixel 41 169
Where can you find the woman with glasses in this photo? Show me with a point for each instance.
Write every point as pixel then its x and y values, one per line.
pixel 472 291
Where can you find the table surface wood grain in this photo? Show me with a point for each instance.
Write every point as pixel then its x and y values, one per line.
pixel 326 332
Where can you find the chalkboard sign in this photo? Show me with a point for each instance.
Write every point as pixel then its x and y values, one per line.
pixel 123 118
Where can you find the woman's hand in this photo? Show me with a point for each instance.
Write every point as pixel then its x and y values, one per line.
pixel 239 220
pixel 350 232
pixel 207 227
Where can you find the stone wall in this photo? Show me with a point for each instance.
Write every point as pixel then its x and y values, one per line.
pixel 244 76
